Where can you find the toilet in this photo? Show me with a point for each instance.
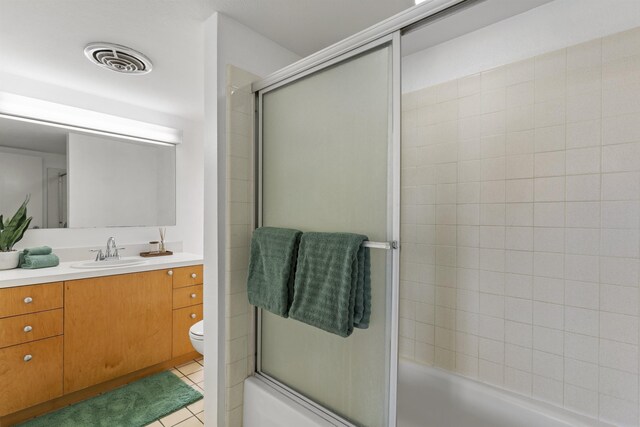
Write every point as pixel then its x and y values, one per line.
pixel 196 335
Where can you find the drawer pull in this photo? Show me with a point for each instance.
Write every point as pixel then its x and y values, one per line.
pixel 193 295
pixel 27 358
pixel 193 315
pixel 28 300
pixel 170 272
pixel 28 328
pixel 194 275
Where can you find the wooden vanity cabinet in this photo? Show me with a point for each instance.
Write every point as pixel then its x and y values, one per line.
pixel 31 339
pixel 183 319
pixel 33 374
pixel 30 327
pixel 65 342
pixel 187 306
pixel 30 299
pixel 115 325
pixel 187 276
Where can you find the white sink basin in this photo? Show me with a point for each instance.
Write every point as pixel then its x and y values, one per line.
pixel 122 262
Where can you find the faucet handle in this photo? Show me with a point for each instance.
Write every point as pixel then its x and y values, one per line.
pixel 117 253
pixel 99 254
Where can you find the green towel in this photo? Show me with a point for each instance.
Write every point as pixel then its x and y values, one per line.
pixel 40 250
pixel 39 261
pixel 271 268
pixel 333 282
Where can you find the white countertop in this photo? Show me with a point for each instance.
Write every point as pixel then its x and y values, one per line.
pixel 65 271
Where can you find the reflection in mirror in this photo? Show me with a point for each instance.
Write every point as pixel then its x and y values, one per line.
pixel 33 161
pixel 77 181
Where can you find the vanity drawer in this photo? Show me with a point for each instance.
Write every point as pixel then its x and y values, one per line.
pixel 30 299
pixel 31 373
pixel 185 297
pixel 187 276
pixel 30 327
pixel 183 319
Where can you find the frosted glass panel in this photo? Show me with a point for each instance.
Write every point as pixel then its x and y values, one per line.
pixel 326 142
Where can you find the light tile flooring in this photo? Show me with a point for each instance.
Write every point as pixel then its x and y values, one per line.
pixel 192 415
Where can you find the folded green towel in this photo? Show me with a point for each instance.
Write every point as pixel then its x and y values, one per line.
pixel 332 289
pixel 39 261
pixel 271 268
pixel 39 250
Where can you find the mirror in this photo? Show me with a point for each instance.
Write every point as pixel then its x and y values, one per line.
pixel 77 180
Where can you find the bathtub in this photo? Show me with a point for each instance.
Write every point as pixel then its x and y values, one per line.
pixel 267 406
pixel 427 397
pixel 431 397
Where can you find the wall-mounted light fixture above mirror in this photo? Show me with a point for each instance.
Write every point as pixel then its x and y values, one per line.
pixel 83 168
pixel 47 113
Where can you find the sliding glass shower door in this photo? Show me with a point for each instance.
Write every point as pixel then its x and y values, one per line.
pixel 327 152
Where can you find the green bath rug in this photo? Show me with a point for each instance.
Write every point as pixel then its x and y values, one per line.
pixel 136 404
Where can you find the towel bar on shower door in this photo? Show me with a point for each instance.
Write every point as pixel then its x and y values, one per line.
pixel 380 245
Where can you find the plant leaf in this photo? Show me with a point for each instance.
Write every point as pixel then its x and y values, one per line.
pixel 19 216
pixel 19 233
pixel 14 229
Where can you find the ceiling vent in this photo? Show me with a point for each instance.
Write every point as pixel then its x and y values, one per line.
pixel 118 58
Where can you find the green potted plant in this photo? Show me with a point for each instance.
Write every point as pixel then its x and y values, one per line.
pixel 10 233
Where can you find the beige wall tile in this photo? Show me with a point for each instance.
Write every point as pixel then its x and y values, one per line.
pixel 521 230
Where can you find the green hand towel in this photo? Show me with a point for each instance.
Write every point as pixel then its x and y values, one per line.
pixel 332 289
pixel 39 250
pixel 39 261
pixel 362 309
pixel 271 268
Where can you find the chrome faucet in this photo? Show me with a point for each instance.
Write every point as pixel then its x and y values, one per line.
pixel 111 248
pixel 112 251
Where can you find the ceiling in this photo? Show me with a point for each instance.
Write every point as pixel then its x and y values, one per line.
pixel 306 26
pixel 43 40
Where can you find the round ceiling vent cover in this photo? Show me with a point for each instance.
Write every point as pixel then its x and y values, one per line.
pixel 118 58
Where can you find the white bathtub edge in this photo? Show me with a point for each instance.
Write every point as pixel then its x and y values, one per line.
pixel 265 406
pixel 416 370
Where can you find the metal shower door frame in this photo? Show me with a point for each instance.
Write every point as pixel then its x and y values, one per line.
pixel 393 225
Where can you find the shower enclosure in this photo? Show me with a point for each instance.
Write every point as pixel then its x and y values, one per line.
pixel 514 196
pixel 329 161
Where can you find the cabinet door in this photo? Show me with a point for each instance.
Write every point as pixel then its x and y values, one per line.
pixel 31 373
pixel 115 325
pixel 183 319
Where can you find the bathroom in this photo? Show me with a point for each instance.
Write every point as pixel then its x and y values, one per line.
pixel 487 149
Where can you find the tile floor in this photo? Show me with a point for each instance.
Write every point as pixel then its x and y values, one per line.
pixel 191 373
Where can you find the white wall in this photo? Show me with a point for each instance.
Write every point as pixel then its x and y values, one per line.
pixel 226 42
pixel 552 26
pixel 189 171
